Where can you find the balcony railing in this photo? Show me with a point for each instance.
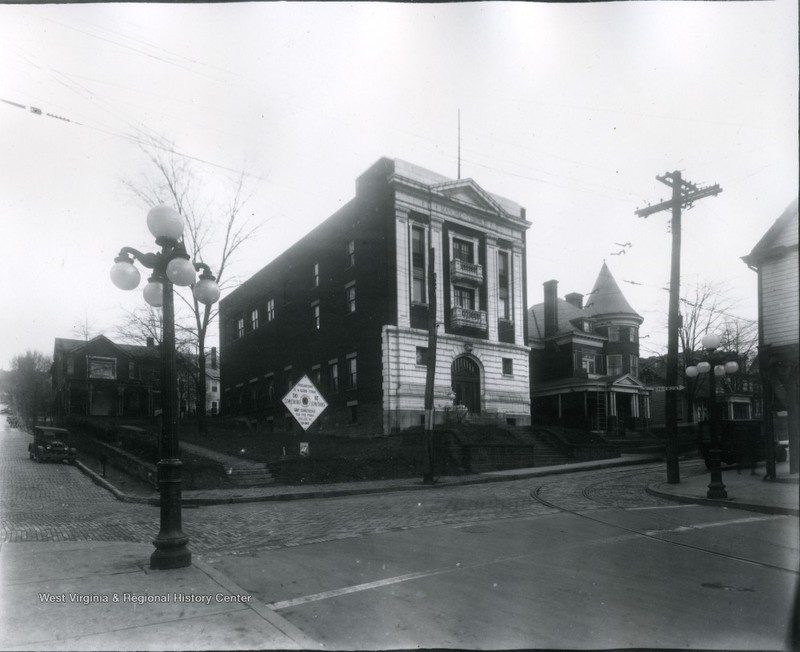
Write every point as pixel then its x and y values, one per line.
pixel 466 318
pixel 463 271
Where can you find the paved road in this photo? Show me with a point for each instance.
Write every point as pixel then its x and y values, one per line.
pixel 54 502
pixel 580 560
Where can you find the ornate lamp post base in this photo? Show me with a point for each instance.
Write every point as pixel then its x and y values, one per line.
pixel 171 551
pixel 716 488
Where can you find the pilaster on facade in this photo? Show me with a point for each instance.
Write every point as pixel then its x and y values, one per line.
pixel 403 248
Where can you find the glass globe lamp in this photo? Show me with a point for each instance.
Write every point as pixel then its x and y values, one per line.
pixel 703 367
pixel 711 341
pixel 165 222
pixel 181 271
pixel 206 291
pixel 124 273
pixel 731 367
pixel 692 371
pixel 154 293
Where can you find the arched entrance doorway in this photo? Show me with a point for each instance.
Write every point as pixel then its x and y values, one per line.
pixel 466 382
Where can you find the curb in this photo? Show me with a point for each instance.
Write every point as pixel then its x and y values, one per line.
pixel 359 491
pixel 275 620
pixel 716 502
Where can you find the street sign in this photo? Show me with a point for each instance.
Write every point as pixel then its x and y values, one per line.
pixel 305 402
pixel 669 388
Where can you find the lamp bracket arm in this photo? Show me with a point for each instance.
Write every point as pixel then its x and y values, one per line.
pixel 148 260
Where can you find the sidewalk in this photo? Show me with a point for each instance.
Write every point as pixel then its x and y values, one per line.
pixel 103 596
pixel 745 491
pixel 296 492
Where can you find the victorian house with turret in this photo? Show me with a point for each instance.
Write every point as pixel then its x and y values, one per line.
pixel 585 359
pixel 348 306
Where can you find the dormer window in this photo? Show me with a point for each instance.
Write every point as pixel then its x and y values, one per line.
pixel 587 327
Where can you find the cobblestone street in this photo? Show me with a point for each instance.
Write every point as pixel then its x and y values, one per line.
pixel 55 502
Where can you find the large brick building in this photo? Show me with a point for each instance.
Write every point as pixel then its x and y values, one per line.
pixel 348 304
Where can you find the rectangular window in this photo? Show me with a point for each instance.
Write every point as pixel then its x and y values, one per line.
pixel 270 390
pixel 503 285
pixel 587 327
pixel 132 370
pixel 333 376
pixel 633 333
pixel 463 251
pixel 587 363
pixel 614 364
pixel 214 407
pixel 316 275
pixel 240 327
pixel 635 366
pixel 214 386
pixel 351 253
pixel 351 298
pixel 464 297
pixel 316 376
pixel 271 310
pixel 70 365
pixel 422 355
pixel 613 333
pixel 315 316
pixel 508 367
pixel 352 374
pixel 103 368
pixel 254 318
pixel 287 378
pixel 418 264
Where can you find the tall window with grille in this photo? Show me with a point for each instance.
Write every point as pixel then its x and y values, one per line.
pixel 503 286
pixel 463 251
pixel 351 253
pixel 254 318
pixel 240 327
pixel 315 279
pixel 315 321
pixel 271 310
pixel 464 297
pixel 418 264
pixel 350 292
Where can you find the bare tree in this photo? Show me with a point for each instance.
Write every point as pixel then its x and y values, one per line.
pixel 31 392
pixel 708 310
pixel 214 233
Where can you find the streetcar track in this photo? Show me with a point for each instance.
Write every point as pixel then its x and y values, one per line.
pixel 536 495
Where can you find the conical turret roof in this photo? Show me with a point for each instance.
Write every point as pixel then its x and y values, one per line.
pixel 606 298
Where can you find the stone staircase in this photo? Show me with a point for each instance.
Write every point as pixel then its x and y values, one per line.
pixel 241 472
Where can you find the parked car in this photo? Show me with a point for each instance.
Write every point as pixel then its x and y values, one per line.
pixel 51 445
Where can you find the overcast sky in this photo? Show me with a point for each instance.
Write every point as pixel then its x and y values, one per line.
pixel 571 110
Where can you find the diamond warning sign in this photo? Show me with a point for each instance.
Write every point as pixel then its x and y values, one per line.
pixel 305 402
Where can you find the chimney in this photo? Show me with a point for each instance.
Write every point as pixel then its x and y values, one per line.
pixel 150 342
pixel 213 357
pixel 550 308
pixel 575 298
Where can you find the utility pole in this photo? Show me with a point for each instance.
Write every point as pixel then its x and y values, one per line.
pixel 430 368
pixel 684 194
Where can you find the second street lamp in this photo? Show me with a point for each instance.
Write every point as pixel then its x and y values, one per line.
pixel 716 365
pixel 171 265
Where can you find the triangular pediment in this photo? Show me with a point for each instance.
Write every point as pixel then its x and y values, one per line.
pixel 466 191
pixel 627 381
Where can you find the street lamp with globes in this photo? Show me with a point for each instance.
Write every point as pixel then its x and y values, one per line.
pixel 721 365
pixel 170 266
